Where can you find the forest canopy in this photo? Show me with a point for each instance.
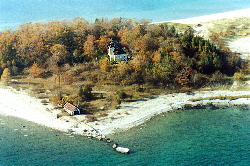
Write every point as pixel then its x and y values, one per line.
pixel 161 54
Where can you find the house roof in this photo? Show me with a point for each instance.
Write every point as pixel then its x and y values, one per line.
pixel 70 107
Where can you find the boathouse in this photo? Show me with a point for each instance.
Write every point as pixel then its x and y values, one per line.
pixel 71 109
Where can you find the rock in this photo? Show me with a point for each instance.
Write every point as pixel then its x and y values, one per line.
pixel 114 146
pixel 99 138
pixel 122 150
pixel 108 140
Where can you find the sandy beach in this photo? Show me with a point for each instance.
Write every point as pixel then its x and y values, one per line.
pixel 211 17
pixel 21 105
pixel 129 115
pixel 241 46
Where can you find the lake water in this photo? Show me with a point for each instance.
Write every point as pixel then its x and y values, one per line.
pixel 16 12
pixel 191 137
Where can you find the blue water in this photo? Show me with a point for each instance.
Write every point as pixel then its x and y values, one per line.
pixel 191 137
pixel 15 12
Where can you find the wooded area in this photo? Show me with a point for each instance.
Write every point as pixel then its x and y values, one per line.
pixel 161 55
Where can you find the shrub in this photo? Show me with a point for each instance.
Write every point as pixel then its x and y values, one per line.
pixel 70 99
pixel 115 102
pixel 217 77
pixel 56 100
pixel 36 71
pixel 104 64
pixel 85 93
pixel 199 79
pixel 6 76
pixel 121 94
pixel 239 76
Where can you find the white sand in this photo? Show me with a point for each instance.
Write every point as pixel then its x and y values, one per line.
pixel 135 113
pixel 241 46
pixel 20 104
pixel 206 18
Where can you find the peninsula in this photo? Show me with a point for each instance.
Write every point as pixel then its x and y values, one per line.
pixel 186 63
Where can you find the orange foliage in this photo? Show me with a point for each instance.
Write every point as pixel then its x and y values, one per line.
pixel 139 62
pixel 103 42
pixel 156 58
pixel 36 71
pixel 177 57
pixel 89 46
pixel 184 77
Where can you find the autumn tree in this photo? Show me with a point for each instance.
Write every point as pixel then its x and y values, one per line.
pixel 103 42
pixel 60 52
pixel 184 77
pixel 104 64
pixel 139 62
pixel 6 75
pixel 36 71
pixel 89 47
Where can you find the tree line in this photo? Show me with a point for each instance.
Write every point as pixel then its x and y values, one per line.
pixel 161 54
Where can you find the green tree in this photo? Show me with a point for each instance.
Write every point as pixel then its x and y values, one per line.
pixel 85 93
pixel 81 93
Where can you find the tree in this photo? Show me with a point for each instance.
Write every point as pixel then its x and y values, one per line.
pixel 36 71
pixel 103 42
pixel 183 78
pixel 60 52
pixel 89 47
pixel 85 93
pixel 81 93
pixel 104 64
pixel 6 76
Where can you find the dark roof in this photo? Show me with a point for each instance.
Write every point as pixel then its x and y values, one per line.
pixel 70 107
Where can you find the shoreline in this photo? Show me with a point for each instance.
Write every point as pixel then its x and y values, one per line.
pixel 32 109
pixel 134 114
pixel 128 116
pixel 210 17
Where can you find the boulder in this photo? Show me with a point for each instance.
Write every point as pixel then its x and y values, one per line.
pixel 114 146
pixel 122 150
pixel 108 140
pixel 99 138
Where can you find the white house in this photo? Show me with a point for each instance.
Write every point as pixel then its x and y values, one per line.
pixel 116 53
pixel 71 109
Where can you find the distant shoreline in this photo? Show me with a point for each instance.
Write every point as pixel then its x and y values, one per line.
pixel 211 17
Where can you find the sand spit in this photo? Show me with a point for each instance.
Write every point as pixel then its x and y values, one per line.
pixel 211 17
pixel 135 113
pixel 20 104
